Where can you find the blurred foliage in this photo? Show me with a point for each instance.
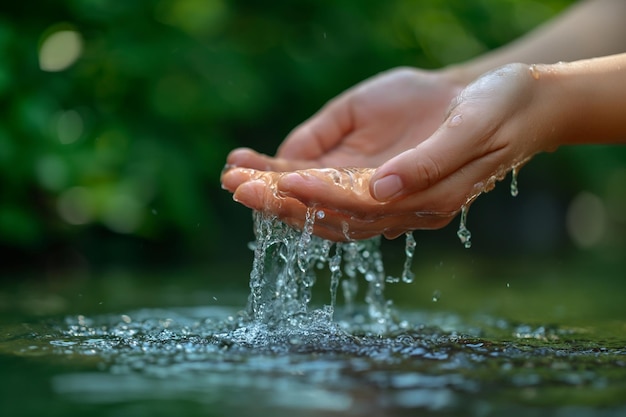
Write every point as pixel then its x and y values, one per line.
pixel 117 116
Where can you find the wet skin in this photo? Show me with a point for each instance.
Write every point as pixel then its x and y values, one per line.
pixel 484 135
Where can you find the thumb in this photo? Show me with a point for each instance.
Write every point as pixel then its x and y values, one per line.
pixel 419 168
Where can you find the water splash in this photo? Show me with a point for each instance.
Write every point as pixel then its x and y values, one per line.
pixel 305 240
pixel 334 265
pixel 283 272
pixel 453 365
pixel 463 233
pixel 409 249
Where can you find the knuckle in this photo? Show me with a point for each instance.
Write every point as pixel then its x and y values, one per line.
pixel 427 172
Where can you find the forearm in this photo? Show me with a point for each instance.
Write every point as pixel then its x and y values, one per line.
pixel 588 29
pixel 586 100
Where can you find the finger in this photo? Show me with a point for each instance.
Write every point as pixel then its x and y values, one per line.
pixel 320 133
pixel 344 191
pixel 234 177
pixel 254 194
pixel 259 191
pixel 248 158
pixel 446 198
pixel 331 224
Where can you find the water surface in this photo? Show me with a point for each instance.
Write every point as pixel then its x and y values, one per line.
pixel 549 344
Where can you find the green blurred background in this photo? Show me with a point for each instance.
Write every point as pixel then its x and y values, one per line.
pixel 117 118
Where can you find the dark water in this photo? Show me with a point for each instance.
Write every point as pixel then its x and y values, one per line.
pixel 555 345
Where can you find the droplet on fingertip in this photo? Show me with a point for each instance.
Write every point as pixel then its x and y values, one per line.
pixel 534 71
pixel 514 188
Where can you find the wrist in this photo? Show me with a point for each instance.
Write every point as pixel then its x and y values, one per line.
pixel 586 99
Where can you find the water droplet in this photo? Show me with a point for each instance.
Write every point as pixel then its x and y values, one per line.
pixel 436 296
pixel 456 120
pixel 508 285
pixel 320 214
pixel 534 71
pixel 463 233
pixel 392 280
pixel 514 189
pixel 345 228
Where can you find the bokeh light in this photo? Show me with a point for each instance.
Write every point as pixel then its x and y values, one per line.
pixel 76 206
pixel 59 50
pixel 586 219
pixel 69 126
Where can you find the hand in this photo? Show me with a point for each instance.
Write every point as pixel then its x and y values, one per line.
pixel 364 126
pixel 496 123
pixel 350 213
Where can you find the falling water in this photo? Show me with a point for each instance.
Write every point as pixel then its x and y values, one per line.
pixel 514 189
pixel 463 233
pixel 409 250
pixel 283 271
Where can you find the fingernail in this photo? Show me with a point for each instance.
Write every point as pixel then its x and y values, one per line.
pixel 387 187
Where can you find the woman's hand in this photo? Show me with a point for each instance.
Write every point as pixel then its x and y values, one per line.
pixel 348 212
pixel 364 126
pixel 495 124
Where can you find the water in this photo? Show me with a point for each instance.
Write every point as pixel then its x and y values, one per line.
pixel 409 250
pixel 202 360
pixel 284 271
pixel 514 188
pixel 534 71
pixel 465 236
pixel 550 344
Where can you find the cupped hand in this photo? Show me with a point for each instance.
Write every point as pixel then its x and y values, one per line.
pixel 365 126
pixel 495 124
pixel 348 213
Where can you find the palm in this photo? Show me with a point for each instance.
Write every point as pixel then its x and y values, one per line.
pixel 365 126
